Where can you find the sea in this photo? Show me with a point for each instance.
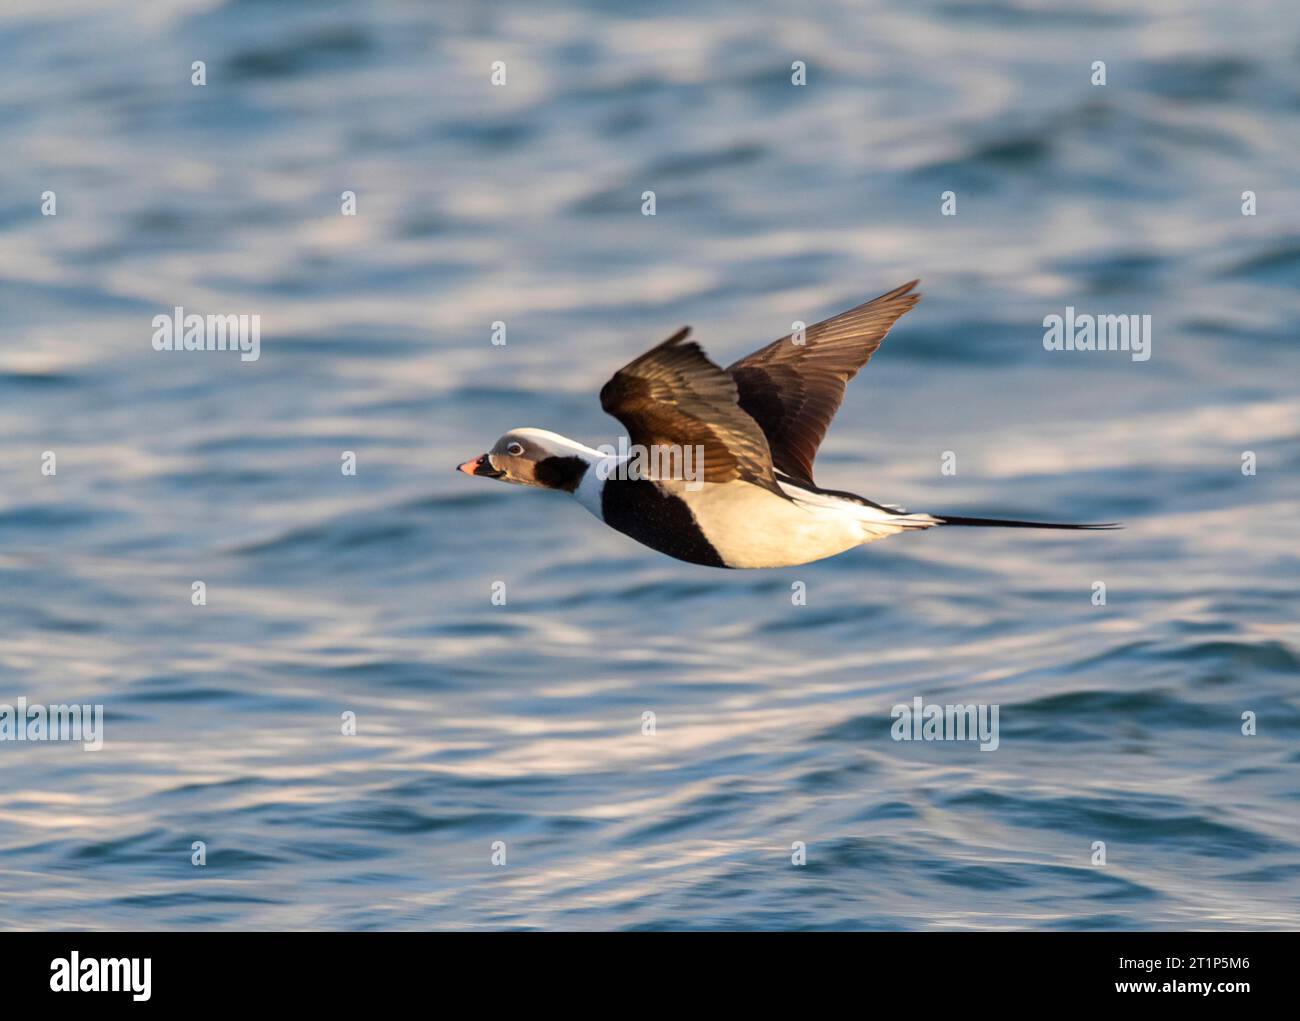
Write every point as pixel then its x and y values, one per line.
pixel 345 687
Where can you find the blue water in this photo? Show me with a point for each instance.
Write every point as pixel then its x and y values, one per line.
pixel 522 723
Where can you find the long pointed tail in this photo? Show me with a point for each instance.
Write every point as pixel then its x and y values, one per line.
pixel 947 519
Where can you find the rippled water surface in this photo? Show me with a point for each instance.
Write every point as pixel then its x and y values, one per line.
pixel 329 594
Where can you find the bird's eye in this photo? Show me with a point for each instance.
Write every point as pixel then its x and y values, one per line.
pixel 515 449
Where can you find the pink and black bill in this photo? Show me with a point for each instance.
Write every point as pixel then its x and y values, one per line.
pixel 481 465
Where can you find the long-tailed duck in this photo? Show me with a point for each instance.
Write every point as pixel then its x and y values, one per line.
pixel 740 443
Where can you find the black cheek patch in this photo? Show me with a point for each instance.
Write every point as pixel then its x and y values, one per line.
pixel 560 472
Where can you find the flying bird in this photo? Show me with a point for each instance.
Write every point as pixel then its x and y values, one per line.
pixel 740 444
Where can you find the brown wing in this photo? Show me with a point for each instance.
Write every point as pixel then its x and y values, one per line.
pixel 793 390
pixel 674 395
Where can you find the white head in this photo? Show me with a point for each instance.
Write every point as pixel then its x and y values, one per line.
pixel 535 457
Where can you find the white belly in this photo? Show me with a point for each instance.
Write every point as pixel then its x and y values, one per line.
pixel 751 527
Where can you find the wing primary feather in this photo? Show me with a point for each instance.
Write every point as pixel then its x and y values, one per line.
pixel 673 395
pixel 794 390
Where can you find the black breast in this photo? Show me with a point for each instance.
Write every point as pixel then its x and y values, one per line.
pixel 638 508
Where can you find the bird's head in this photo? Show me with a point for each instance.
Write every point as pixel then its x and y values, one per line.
pixel 534 457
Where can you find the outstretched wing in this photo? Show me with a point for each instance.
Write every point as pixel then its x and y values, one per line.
pixel 793 390
pixel 674 395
